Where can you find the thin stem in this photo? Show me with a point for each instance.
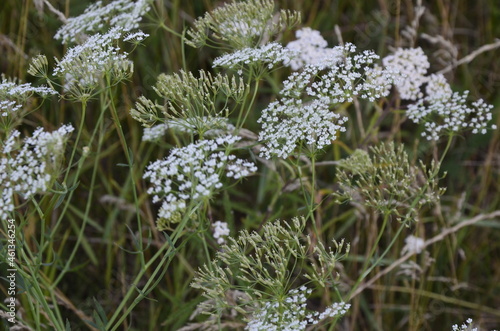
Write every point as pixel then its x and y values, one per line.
pixel 78 136
pixel 164 263
pixel 377 262
pixel 123 141
pixel 166 28
pixel 87 211
pixel 240 121
pixel 367 270
pixel 313 193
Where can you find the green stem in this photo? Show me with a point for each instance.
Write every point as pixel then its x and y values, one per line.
pixel 78 136
pixel 367 270
pixel 166 28
pixel 240 121
pixel 377 262
pixel 87 210
pixel 448 145
pixel 164 263
pixel 32 278
pixel 77 172
pixel 123 141
pixel 313 192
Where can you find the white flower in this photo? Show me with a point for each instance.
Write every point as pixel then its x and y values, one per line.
pixel 85 65
pixel 28 169
pixel 464 326
pixel 7 107
pixel 413 245
pixel 290 314
pixel 136 37
pixel 442 113
pixel 13 95
pixel 194 173
pixel 286 124
pixel 271 54
pixel 220 231
pixel 412 65
pixel 340 79
pixel 124 14
pixel 311 49
pixel 438 89
pixel 154 133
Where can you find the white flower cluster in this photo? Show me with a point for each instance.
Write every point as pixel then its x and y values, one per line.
pixel 210 126
pixel 155 132
pixel 30 169
pixel 311 49
pixel 286 124
pixel 441 110
pixel 438 89
pixel 124 14
pixel 413 245
pixel 193 172
pixel 218 126
pixel 464 327
pixel 220 231
pixel 451 110
pixel 271 54
pixel 136 36
pixel 240 25
pixel 293 316
pixel 12 95
pixel 85 65
pixel 351 75
pixel 412 65
pixel 8 106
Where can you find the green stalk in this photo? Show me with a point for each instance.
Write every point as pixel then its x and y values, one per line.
pixel 240 121
pixel 77 172
pixel 123 141
pixel 164 263
pixel 87 211
pixel 77 141
pixel 366 270
pixel 34 285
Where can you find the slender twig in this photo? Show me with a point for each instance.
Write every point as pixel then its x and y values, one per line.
pixel 55 11
pixel 471 56
pixel 433 240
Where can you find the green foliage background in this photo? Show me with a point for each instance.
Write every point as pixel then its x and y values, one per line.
pixel 464 280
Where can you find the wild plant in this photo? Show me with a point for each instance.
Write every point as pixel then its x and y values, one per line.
pixel 258 181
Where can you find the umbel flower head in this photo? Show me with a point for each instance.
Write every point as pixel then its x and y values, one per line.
pixel 241 24
pixel 445 112
pixel 28 167
pixel 97 18
pixel 311 49
pixel 256 59
pixel 290 123
pixel 13 95
pixel 86 66
pixel 195 103
pixel 193 174
pixel 386 181
pixel 324 85
pixel 291 314
pixel 210 126
pixel 260 265
pixel 412 65
pixel 341 77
